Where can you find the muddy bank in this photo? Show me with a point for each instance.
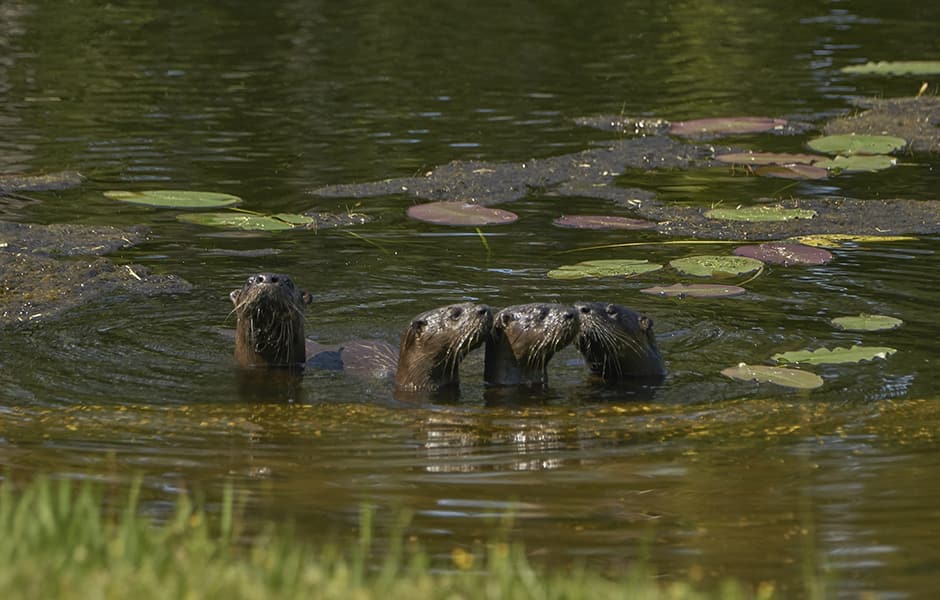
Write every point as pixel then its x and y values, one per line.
pixel 46 270
pixel 833 215
pixel 917 120
pixel 588 173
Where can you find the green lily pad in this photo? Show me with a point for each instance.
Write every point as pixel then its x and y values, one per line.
pixel 725 126
pixel 604 268
pixel 824 356
pixel 760 213
pixel 175 198
pixel 786 254
pixel 710 265
pixel 792 378
pixel 768 158
pixel 851 143
pixel 460 213
pixel 871 163
pixel 896 67
pixel 695 290
pixel 237 220
pixel 865 322
pixel 602 222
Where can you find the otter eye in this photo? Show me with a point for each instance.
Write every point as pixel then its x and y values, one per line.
pixel 455 312
pixel 611 309
pixel 506 318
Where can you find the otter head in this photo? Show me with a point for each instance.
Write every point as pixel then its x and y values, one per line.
pixel 618 343
pixel 523 339
pixel 270 322
pixel 435 342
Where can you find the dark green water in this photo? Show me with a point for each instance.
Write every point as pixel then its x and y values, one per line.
pixel 710 478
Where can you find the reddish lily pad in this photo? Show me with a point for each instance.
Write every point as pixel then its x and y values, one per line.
pixel 786 254
pixel 769 158
pixel 695 290
pixel 602 222
pixel 725 126
pixel 798 171
pixel 460 213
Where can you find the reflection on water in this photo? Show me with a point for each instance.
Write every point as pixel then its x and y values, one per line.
pixel 702 475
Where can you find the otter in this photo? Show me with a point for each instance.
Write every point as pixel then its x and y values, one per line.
pixel 522 341
pixel 270 322
pixel 618 343
pixel 435 342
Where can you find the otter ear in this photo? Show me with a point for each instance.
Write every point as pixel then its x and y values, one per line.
pixel 646 323
pixel 307 297
pixel 505 318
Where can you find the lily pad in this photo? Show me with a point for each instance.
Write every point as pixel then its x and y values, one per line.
pixel 237 220
pixel 695 290
pixel 848 144
pixel 768 158
pixel 793 171
pixel 760 213
pixel 725 126
pixel 175 198
pixel 866 322
pixel 791 378
pixel 786 254
pixel 602 222
pixel 604 268
pixel 896 67
pixel 870 163
pixel 708 265
pixel 824 356
pixel 460 213
pixel 837 240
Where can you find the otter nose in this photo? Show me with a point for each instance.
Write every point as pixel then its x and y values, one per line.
pixel 570 313
pixel 583 307
pixel 483 310
pixel 264 278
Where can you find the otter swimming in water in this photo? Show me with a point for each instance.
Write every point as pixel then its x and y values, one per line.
pixel 522 341
pixel 435 342
pixel 618 343
pixel 269 331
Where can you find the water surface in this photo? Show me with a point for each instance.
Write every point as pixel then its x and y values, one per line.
pixel 707 477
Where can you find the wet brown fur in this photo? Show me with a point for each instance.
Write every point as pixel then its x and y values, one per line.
pixel 435 342
pixel 618 343
pixel 523 339
pixel 269 331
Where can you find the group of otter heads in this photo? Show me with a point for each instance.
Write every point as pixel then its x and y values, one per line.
pixel 616 342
